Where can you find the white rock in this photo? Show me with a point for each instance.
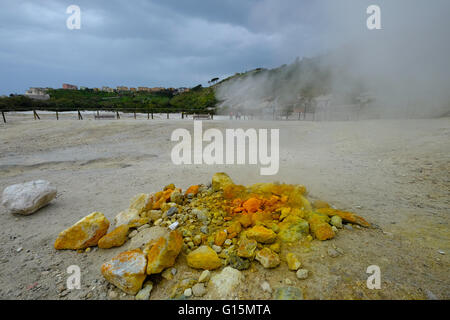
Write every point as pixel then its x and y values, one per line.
pixel 302 274
pixel 133 234
pixel 266 287
pixel 174 225
pixel 204 277
pixel 225 283
pixel 27 198
pixel 199 290
pixel 126 216
pixel 144 293
pixel 188 292
pixel 145 226
pixel 145 236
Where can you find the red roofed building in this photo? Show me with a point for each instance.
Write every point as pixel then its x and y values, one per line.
pixel 69 86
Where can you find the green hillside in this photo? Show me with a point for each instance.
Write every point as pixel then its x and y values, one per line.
pixel 196 100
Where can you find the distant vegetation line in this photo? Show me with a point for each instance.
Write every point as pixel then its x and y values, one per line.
pixel 197 100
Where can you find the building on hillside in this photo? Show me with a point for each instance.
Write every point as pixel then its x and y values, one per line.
pixel 157 89
pixel 181 90
pixel 37 94
pixel 69 86
pixel 107 89
pixel 133 89
pixel 143 89
pixel 122 88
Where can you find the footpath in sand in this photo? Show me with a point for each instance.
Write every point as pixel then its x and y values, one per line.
pixel 394 173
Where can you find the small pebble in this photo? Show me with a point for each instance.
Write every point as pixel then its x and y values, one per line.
pixel 441 252
pixel 197 239
pixel 204 229
pixel 145 226
pixel 333 253
pixel 431 295
pixel 188 292
pixel 228 242
pixel 336 221
pixel 133 233
pixel 204 277
pixel 302 274
pixel 266 287
pixel 287 281
pixel 171 211
pixel 199 290
pixel 174 225
pixel 217 249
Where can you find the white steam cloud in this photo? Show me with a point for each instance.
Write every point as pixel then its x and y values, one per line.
pixel 402 70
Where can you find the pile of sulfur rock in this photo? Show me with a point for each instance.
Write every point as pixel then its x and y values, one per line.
pixel 221 226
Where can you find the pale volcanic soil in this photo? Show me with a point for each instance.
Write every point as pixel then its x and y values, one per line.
pixel 394 173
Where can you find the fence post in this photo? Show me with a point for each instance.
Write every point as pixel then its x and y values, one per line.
pixel 152 115
pixel 134 114
pixel 167 115
pixel 4 119
pixel 57 116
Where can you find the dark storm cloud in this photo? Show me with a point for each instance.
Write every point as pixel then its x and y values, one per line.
pixel 151 43
pixel 166 42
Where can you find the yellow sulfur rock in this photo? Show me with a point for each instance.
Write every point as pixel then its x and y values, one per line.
pixel 235 227
pixel 276 247
pixel 220 238
pixel 247 248
pixel 204 258
pixel 346 216
pixel 319 204
pixel 126 271
pixel 139 202
pixel 126 217
pixel 321 229
pixel 268 258
pixel 85 233
pixel 261 234
pixel 220 180
pixel 293 262
pixel 293 229
pixel 164 252
pixel 115 238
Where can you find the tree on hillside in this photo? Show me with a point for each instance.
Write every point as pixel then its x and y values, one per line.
pixel 213 80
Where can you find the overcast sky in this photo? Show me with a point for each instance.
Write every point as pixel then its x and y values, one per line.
pixel 166 43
